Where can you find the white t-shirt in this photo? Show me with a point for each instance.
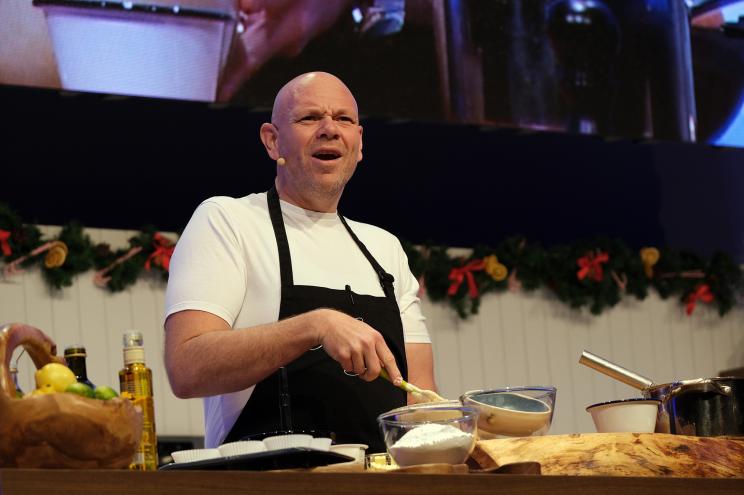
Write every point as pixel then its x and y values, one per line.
pixel 226 263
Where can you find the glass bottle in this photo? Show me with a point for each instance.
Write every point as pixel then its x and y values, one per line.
pixel 14 376
pixel 136 380
pixel 75 357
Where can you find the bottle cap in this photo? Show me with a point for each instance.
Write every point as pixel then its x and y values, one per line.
pixel 75 350
pixel 133 338
pixel 133 350
pixel 134 355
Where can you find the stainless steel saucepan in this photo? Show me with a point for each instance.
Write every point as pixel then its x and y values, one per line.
pixel 703 407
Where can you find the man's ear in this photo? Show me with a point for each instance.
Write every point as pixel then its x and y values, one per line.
pixel 270 140
pixel 361 131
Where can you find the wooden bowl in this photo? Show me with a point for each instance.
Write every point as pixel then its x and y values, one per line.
pixel 60 430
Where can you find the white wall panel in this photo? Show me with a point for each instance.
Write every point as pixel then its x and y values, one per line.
pixel 641 332
pixel 94 334
pixel 533 339
pixel 513 351
pixel 470 354
pixel 561 366
pixel 661 368
pixel 442 324
pixel 536 352
pixel 492 337
pixel 736 357
pixel 516 339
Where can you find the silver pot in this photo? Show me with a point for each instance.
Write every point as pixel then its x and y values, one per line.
pixel 704 407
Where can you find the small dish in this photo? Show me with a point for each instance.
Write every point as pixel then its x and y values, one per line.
pixel 289 441
pixel 241 447
pixel 379 462
pixel 637 415
pixel 193 455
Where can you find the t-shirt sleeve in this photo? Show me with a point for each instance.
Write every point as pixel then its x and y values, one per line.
pixel 414 322
pixel 207 270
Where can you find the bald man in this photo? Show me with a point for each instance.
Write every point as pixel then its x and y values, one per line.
pixel 279 311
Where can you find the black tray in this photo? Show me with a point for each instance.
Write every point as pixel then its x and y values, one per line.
pixel 297 457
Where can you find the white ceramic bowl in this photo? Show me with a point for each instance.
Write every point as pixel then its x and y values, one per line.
pixel 289 441
pixel 353 450
pixel 194 455
pixel 144 49
pixel 627 415
pixel 242 447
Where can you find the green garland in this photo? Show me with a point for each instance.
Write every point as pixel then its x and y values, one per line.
pixel 23 238
pixel 595 273
pixel 82 255
pixel 686 276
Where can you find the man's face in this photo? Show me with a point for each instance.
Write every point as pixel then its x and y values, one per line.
pixel 320 137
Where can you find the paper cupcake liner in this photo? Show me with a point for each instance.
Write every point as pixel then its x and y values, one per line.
pixel 194 455
pixel 287 441
pixel 242 447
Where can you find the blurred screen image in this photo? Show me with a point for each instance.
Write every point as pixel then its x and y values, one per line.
pixel 639 69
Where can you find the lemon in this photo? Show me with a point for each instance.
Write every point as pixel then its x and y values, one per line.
pixel 54 375
pixel 80 389
pixel 105 393
pixel 42 391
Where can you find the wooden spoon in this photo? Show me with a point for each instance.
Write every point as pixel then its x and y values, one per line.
pixel 419 395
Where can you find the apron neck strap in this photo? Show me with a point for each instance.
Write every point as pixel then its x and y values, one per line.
pixel 285 260
pixel 386 279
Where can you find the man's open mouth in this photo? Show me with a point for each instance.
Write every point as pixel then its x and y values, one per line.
pixel 327 155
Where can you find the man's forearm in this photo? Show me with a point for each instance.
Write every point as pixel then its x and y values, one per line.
pixel 223 360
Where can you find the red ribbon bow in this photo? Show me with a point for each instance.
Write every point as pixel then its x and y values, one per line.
pixel 4 244
pixel 163 252
pixel 591 266
pixel 702 293
pixel 457 275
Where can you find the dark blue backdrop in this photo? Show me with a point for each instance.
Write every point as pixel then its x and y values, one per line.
pixel 127 162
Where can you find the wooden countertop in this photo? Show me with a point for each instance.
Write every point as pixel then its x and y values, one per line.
pixel 103 482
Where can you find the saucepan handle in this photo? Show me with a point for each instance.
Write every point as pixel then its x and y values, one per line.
pixel 615 371
pixel 700 385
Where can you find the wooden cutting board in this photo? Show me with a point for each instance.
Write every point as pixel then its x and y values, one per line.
pixel 619 454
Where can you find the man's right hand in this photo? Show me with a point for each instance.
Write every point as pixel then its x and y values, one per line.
pixel 355 345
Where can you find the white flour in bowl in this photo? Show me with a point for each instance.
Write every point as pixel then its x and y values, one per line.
pixel 432 443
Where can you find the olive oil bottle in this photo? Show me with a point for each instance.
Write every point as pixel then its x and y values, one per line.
pixel 136 380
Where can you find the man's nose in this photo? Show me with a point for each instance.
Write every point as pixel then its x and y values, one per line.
pixel 328 128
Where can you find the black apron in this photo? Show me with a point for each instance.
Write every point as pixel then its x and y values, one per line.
pixel 316 393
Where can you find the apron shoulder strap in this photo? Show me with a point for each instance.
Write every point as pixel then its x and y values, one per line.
pixel 386 279
pixel 282 244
